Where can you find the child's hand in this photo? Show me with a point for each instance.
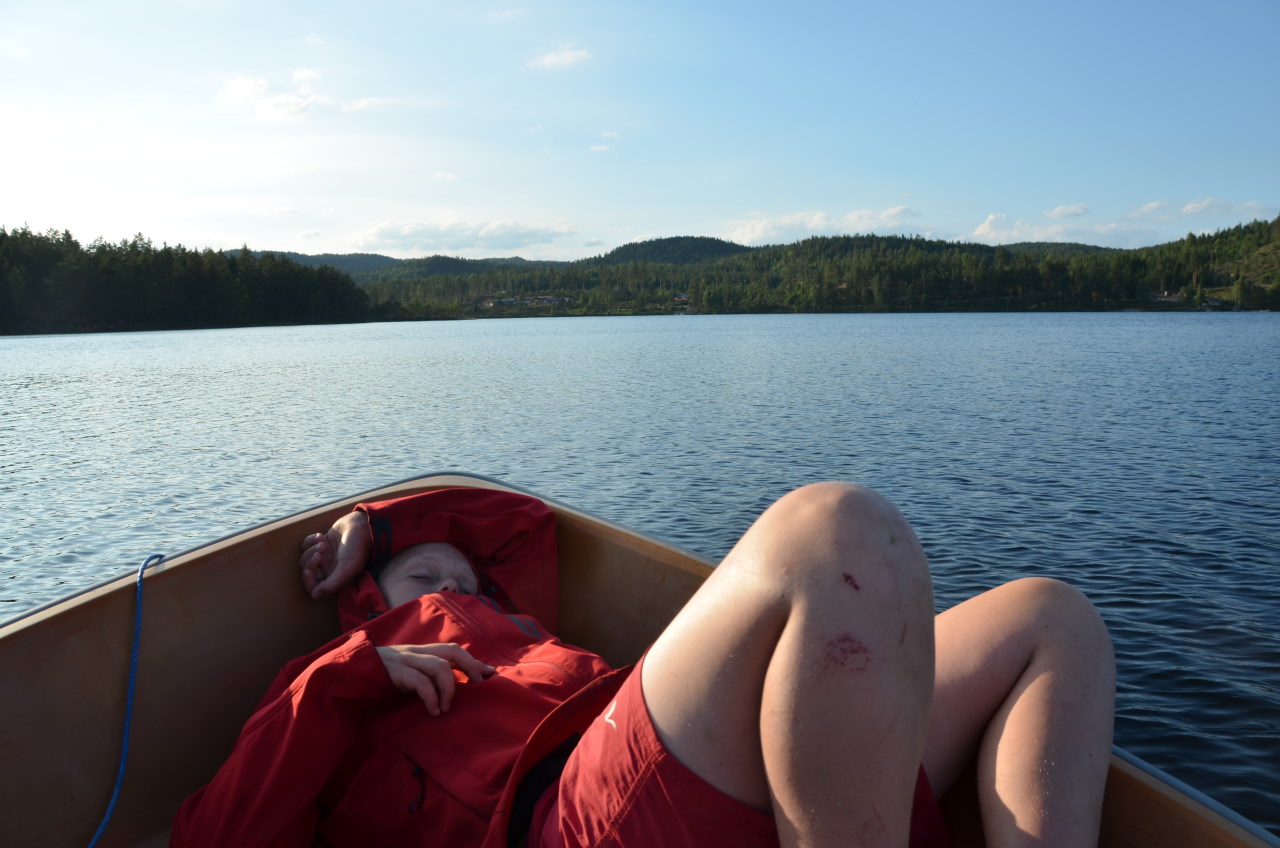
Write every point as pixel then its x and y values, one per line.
pixel 428 671
pixel 331 560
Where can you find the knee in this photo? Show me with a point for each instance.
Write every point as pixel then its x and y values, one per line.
pixel 1057 600
pixel 841 524
pixel 837 505
pixel 1067 618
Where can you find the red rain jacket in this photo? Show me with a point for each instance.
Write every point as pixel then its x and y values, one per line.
pixel 335 753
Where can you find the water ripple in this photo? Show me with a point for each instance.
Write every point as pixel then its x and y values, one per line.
pixel 1133 455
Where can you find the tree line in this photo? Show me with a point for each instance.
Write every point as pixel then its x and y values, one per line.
pixel 1235 268
pixel 50 283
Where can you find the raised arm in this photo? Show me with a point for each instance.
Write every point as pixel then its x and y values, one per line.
pixel 333 559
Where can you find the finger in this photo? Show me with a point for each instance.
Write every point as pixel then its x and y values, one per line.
pixel 473 668
pixel 340 574
pixel 408 672
pixel 326 587
pixel 439 669
pixel 424 685
pixel 314 548
pixel 308 552
pixel 451 651
pixel 441 674
pixel 310 576
pixel 318 584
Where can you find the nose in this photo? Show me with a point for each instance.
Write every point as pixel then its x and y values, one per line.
pixel 450 585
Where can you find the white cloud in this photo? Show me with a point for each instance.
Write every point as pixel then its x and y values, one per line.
pixel 454 236
pixel 785 228
pixel 1205 204
pixel 1227 209
pixel 241 88
pixel 366 103
pixel 1000 229
pixel 278 211
pixel 292 104
pixel 310 234
pixel 562 58
pixel 1122 234
pixel 866 219
pixel 801 225
pixel 1143 225
pixel 444 175
pixel 1067 211
pixel 595 242
pixel 314 40
pixel 10 50
pixel 608 136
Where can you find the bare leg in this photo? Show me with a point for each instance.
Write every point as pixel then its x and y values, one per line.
pixel 1026 682
pixel 799 676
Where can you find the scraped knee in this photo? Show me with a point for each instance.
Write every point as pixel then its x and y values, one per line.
pixel 848 530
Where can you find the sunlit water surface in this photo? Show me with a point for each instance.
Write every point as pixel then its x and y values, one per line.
pixel 1135 455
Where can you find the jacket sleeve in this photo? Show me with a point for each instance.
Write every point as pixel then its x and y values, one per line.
pixel 510 538
pixel 265 793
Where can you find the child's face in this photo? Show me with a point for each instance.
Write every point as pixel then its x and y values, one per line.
pixel 424 570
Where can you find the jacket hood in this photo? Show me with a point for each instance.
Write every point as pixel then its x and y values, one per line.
pixel 509 538
pixel 360 602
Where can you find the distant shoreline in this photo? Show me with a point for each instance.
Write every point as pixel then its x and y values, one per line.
pixel 503 317
pixel 49 283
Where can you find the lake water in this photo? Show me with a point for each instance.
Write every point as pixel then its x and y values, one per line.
pixel 1135 455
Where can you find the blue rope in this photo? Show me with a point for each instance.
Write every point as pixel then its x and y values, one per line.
pixel 128 707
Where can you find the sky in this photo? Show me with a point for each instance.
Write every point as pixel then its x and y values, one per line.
pixel 560 130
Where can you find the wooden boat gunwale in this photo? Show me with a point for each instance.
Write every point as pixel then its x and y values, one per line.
pixel 1122 759
pixel 1179 814
pixel 131 574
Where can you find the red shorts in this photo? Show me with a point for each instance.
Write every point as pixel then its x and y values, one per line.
pixel 621 787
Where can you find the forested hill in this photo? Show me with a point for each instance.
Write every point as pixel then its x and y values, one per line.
pixel 681 250
pixel 677 250
pixel 50 283
pixel 1057 248
pixel 388 266
pixel 1228 269
pixel 348 263
pixel 435 266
